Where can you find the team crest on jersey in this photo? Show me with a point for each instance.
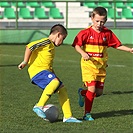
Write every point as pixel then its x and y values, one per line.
pixel 104 39
pixel 91 37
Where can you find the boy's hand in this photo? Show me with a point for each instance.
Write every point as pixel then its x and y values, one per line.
pixel 131 50
pixel 22 65
pixel 85 56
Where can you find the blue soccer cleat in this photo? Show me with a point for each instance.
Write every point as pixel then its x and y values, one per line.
pixel 39 112
pixel 71 119
pixel 88 117
pixel 81 98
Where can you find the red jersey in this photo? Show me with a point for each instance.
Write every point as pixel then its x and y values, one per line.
pixel 96 44
pixel 90 37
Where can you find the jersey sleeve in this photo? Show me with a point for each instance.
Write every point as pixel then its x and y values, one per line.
pixel 80 39
pixel 113 40
pixel 36 44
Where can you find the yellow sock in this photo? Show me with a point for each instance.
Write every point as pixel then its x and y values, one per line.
pixel 48 91
pixel 64 102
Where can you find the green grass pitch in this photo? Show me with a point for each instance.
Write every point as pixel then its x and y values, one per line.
pixel 113 112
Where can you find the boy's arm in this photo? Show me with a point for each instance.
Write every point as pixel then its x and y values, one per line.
pixel 125 48
pixel 26 58
pixel 84 55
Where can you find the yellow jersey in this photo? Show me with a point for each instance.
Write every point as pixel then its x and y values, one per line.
pixel 41 57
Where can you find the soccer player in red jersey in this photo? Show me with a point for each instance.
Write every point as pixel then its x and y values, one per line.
pixel 92 44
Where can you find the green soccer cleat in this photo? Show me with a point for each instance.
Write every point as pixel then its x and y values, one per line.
pixel 81 98
pixel 88 117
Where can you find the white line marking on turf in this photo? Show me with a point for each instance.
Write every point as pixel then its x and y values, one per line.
pixel 60 60
pixel 117 65
pixel 7 55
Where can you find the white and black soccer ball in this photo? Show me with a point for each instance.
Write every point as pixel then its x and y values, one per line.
pixel 51 112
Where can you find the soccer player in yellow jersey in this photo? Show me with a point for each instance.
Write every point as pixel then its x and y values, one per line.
pixel 39 56
pixel 92 44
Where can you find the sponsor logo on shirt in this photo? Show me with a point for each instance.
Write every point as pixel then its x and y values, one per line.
pixel 100 55
pixel 104 39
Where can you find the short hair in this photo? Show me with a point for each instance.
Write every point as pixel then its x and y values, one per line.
pixel 58 28
pixel 100 11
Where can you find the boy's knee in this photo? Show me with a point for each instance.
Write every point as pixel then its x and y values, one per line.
pixel 98 94
pixel 56 80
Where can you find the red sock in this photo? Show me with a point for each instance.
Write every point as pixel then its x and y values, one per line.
pixel 89 101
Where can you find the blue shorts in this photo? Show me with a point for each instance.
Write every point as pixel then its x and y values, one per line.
pixel 43 78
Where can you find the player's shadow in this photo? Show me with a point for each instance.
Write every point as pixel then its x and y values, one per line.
pixel 113 114
pixel 60 120
pixel 108 114
pixel 123 92
pixel 10 65
pixel 119 92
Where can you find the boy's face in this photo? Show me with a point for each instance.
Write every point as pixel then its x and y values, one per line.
pixel 98 22
pixel 59 39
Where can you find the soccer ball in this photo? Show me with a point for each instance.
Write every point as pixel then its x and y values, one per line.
pixel 51 112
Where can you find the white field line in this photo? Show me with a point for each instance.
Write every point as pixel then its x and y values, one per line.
pixel 72 61
pixel 60 60
pixel 117 65
pixel 7 55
